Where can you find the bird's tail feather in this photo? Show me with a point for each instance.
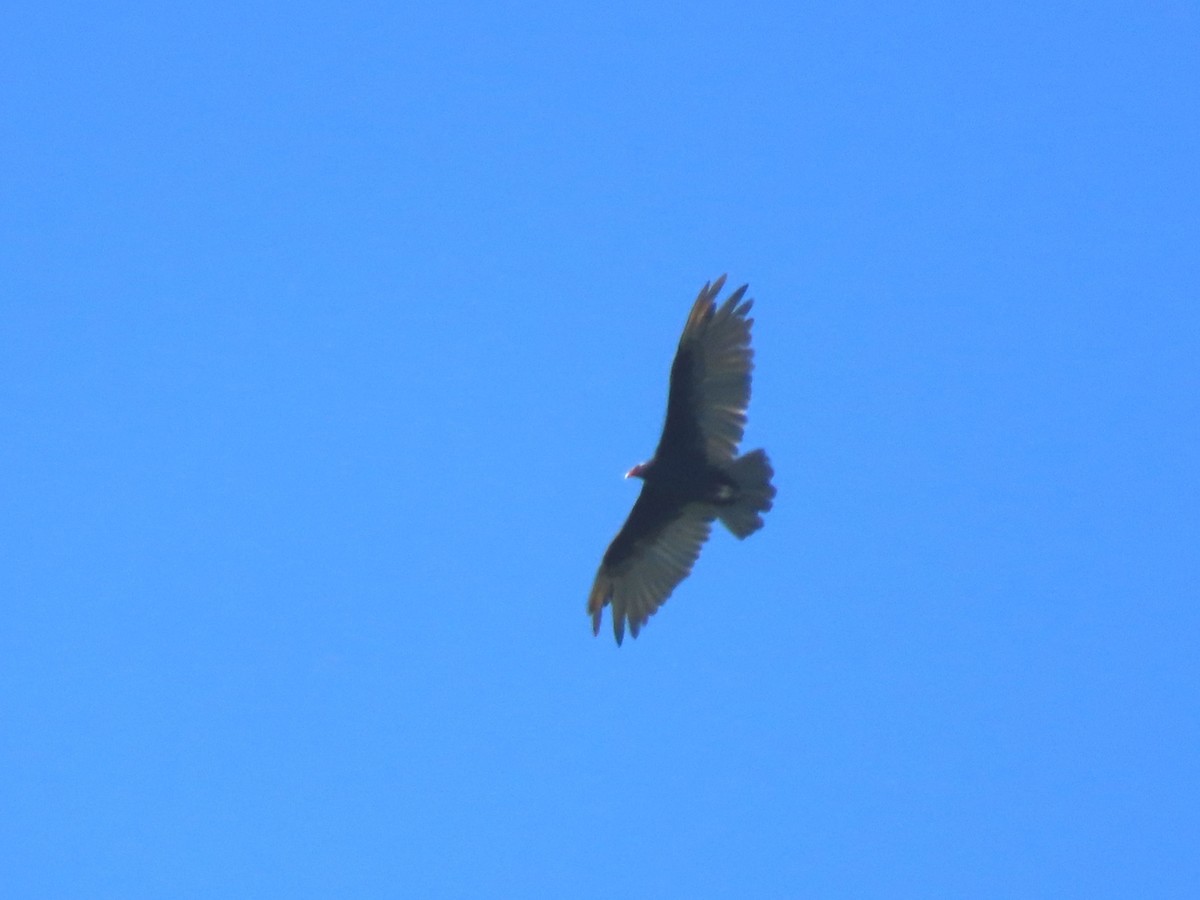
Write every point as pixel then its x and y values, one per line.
pixel 752 474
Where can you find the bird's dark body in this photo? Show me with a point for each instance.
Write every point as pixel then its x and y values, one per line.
pixel 667 490
pixel 695 475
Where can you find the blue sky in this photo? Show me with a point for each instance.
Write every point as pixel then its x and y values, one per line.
pixel 328 332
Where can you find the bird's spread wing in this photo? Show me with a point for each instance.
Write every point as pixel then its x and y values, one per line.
pixel 710 379
pixel 653 552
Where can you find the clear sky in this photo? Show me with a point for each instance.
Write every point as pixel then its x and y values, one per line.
pixel 328 331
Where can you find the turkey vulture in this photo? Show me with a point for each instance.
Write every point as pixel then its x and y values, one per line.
pixel 696 475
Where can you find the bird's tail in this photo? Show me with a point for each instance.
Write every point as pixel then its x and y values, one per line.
pixel 752 474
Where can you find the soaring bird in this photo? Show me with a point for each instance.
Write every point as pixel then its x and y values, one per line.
pixel 695 475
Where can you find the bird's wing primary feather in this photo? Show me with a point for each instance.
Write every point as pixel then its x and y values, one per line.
pixel 652 553
pixel 710 379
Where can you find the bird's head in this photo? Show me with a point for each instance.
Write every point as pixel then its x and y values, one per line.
pixel 640 470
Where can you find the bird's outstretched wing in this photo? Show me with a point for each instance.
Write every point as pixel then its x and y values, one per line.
pixel 652 553
pixel 710 380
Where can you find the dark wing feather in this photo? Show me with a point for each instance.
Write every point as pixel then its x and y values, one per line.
pixel 652 553
pixel 710 380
